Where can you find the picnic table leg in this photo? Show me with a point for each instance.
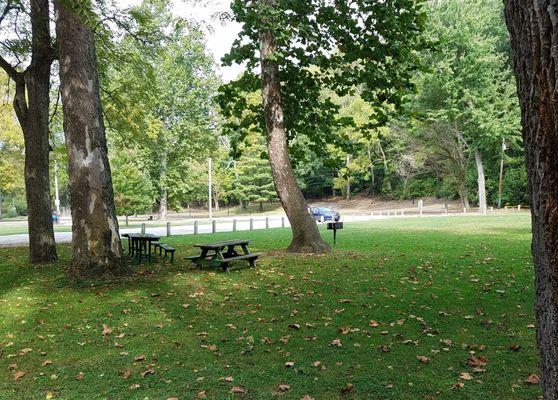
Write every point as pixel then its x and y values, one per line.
pixel 245 249
pixel 148 245
pixel 199 261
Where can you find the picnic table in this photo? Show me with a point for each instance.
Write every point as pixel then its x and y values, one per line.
pixel 139 244
pixel 221 254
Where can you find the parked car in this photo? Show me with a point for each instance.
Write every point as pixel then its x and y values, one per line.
pixel 324 214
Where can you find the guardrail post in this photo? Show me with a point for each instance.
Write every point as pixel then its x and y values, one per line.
pixel 266 222
pixel 234 225
pixel 213 226
pixel 195 227
pixel 464 210
pixel 251 224
pixel 519 207
pixel 282 222
pixel 143 229
pixel 168 228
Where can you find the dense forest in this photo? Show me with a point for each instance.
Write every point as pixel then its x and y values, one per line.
pixel 455 131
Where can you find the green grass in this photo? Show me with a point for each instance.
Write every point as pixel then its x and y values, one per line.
pixel 425 281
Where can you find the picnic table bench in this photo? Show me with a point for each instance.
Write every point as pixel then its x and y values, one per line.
pixel 221 254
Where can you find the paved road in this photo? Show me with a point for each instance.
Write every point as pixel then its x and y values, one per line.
pixel 225 225
pixel 204 226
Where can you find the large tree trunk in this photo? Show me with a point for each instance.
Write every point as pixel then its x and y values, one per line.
pixel 31 104
pixel 96 246
pixel 306 237
pixel 481 182
pixel 533 28
pixel 1 209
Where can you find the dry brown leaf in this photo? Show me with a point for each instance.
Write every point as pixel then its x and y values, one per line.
pixel 465 376
pixel 79 376
pixel 283 388
pixel 336 342
pixel 477 361
pixel 141 357
pixel 238 389
pixel 347 389
pixel 532 380
pixel 423 359
pixel 17 375
pixel 106 330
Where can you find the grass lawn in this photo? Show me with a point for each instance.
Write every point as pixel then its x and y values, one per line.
pixel 432 308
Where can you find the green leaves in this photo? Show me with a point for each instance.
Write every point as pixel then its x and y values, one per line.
pixel 342 46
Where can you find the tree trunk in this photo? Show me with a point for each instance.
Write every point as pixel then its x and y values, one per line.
pixel 163 203
pixel 96 246
pixel 31 104
pixel 306 237
pixel 501 176
pixel 481 182
pixel 216 199
pixel 348 184
pixel 463 195
pixel 533 28
pixel 372 177
pixel 1 209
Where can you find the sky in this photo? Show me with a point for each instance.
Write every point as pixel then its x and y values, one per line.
pixel 220 35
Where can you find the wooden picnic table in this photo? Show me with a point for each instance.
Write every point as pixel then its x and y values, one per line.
pixel 139 244
pixel 221 254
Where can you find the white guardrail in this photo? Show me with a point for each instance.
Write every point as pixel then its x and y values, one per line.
pixel 227 224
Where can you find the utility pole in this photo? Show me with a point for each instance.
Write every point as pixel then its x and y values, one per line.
pixel 56 193
pixel 209 190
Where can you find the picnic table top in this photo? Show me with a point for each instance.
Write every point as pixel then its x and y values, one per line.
pixel 147 236
pixel 218 245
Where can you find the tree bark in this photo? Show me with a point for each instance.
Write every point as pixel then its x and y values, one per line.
pixel 163 203
pixel 1 209
pixel 31 104
pixel 533 28
pixel 96 246
pixel 481 182
pixel 306 237
pixel 501 175
pixel 348 183
pixel 463 195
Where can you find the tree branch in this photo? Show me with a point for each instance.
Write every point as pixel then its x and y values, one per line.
pixel 10 70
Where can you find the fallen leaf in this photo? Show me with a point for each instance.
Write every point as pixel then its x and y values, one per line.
pixel 336 342
pixel 79 376
pixel 139 358
pixel 289 364
pixel 126 373
pixel 423 359
pixel 106 330
pixel 532 380
pixel 373 324
pixel 18 375
pixel 465 376
pixel 347 389
pixel 477 361
pixel 149 371
pixel 238 389
pixel 283 388
pixel 307 398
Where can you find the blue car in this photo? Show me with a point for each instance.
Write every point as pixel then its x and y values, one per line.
pixel 324 214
